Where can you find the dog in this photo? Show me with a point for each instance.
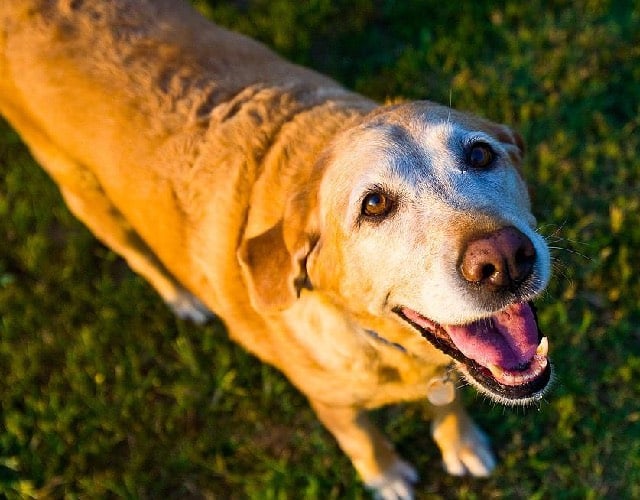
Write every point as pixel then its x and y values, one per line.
pixel 370 252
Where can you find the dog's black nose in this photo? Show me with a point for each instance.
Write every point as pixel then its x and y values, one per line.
pixel 499 260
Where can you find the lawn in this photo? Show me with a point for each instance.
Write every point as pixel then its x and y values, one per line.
pixel 103 393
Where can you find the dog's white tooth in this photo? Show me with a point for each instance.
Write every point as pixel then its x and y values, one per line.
pixel 543 363
pixel 543 347
pixel 496 371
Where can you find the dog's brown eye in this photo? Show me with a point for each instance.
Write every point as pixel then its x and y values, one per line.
pixel 376 204
pixel 480 155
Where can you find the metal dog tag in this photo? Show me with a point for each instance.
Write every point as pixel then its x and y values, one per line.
pixel 440 391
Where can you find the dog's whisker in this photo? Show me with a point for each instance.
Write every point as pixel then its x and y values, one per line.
pixel 560 271
pixel 555 239
pixel 557 229
pixel 573 252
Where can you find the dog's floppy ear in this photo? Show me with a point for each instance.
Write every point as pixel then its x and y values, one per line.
pixel 283 226
pixel 273 262
pixel 274 271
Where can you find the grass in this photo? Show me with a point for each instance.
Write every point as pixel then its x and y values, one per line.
pixel 103 393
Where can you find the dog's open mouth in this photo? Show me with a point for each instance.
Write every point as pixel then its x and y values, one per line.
pixel 504 355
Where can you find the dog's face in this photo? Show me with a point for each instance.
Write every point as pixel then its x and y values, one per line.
pixel 425 216
pixel 422 215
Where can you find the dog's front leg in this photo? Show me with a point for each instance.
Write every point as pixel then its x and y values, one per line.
pixel 465 448
pixel 373 456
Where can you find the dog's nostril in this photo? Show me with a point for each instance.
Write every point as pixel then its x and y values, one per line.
pixel 488 270
pixel 525 254
pixel 524 260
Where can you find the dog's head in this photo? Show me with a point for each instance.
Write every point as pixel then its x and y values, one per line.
pixel 422 214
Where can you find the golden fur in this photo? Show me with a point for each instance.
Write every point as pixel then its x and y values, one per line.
pixel 213 167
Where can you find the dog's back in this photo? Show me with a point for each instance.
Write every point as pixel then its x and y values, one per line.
pixel 191 104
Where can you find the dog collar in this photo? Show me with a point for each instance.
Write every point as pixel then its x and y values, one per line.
pixel 382 340
pixel 441 389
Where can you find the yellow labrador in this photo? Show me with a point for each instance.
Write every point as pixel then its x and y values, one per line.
pixel 363 250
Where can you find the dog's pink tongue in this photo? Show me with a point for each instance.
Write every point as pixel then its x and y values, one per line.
pixel 508 339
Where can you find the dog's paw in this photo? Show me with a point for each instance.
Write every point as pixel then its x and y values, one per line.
pixel 471 454
pixel 396 483
pixel 185 305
